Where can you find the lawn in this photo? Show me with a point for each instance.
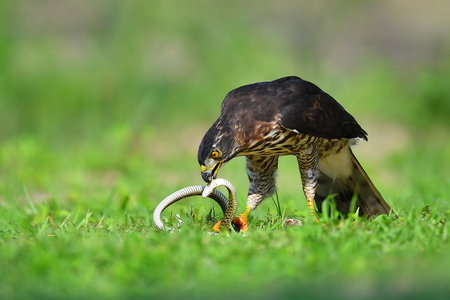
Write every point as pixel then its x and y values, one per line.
pixel 103 106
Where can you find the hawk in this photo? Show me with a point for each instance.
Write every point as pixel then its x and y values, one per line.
pixel 290 116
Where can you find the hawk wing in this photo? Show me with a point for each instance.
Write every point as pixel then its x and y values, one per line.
pixel 293 103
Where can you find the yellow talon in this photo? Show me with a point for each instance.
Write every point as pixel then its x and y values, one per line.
pixel 241 221
pixel 312 210
pixel 216 227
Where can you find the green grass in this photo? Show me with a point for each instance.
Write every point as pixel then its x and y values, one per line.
pixel 93 254
pixel 103 105
pixel 89 238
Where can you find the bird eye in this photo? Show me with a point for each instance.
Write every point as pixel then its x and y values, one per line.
pixel 215 153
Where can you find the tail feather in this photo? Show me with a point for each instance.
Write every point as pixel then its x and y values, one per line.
pixel 355 182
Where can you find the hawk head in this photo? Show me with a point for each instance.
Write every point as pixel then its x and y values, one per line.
pixel 217 148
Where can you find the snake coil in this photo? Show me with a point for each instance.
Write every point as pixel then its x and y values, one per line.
pixel 206 191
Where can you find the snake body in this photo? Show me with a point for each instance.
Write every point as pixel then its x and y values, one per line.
pixel 228 207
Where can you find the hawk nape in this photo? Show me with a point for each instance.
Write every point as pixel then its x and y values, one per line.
pixel 290 116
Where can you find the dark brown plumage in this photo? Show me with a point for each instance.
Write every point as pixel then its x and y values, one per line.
pixel 290 116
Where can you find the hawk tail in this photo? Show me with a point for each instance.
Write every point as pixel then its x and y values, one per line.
pixel 370 201
pixel 356 183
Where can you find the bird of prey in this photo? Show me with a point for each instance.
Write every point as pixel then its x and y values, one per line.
pixel 290 116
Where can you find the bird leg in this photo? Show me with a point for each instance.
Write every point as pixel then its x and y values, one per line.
pixel 308 162
pixel 261 172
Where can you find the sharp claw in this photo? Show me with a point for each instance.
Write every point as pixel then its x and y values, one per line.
pixel 235 227
pixel 241 223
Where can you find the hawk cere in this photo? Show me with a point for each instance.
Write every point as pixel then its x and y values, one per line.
pixel 290 116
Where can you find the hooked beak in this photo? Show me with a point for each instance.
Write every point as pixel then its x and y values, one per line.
pixel 209 174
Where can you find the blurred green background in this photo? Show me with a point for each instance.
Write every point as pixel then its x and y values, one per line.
pixel 102 95
pixel 103 105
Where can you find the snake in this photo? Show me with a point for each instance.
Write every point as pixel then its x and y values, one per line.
pixel 228 206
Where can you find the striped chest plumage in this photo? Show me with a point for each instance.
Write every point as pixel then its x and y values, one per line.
pixel 281 141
